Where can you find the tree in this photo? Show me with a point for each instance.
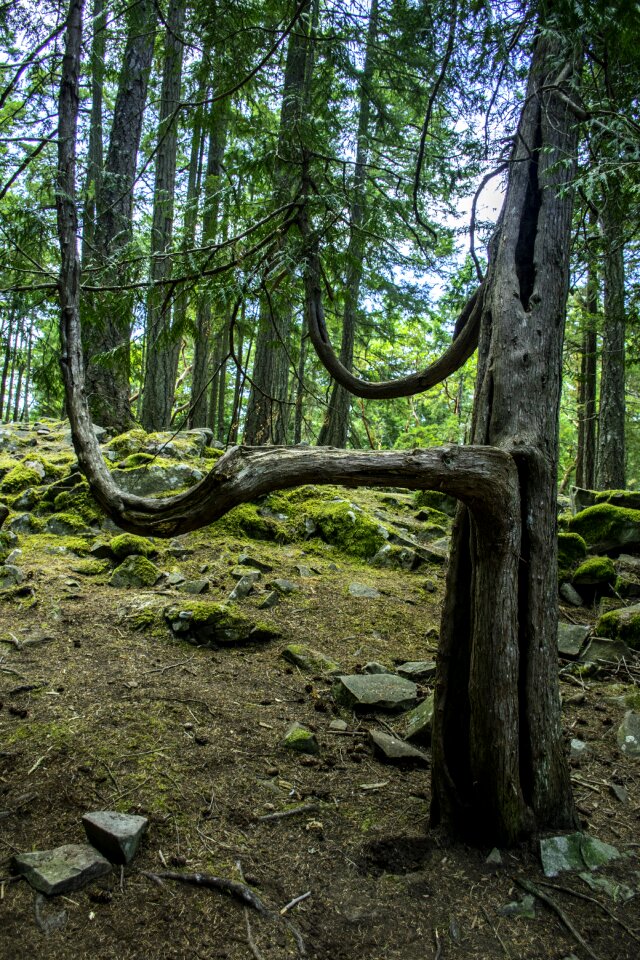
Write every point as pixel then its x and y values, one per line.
pixel 499 771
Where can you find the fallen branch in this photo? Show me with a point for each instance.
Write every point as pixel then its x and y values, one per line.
pixel 293 812
pixel 530 888
pixel 238 891
pixel 603 907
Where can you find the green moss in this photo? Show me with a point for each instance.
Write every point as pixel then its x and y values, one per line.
pixel 436 501
pixel 78 501
pixel 607 527
pixel 349 530
pixel 91 567
pixel 620 498
pixel 135 571
pixel 136 460
pixel 127 544
pixel 211 453
pixel 595 570
pixel 564 520
pixel 245 521
pixel 127 443
pixel 571 550
pixel 622 625
pixel 19 478
pixel 66 524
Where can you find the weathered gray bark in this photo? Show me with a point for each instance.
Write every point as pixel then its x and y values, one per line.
pixel 161 348
pixel 107 322
pixel 610 463
pixel 587 386
pixel 95 158
pixel 335 429
pixel 268 408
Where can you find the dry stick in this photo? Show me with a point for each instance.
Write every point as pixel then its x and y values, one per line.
pixel 239 891
pixel 293 903
pixel 495 932
pixel 585 896
pixel 252 944
pixel 306 808
pixel 438 943
pixel 530 888
pixel 13 672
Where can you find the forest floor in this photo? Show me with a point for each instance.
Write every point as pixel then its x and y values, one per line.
pixel 97 713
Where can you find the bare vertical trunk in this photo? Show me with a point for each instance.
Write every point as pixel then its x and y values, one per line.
pixel 7 358
pixel 610 466
pixel 107 322
pixel 299 387
pixel 27 376
pixel 586 458
pixel 162 349
pixel 95 159
pixel 13 355
pixel 335 429
pixel 498 763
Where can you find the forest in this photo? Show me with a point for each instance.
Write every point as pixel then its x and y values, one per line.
pixel 334 263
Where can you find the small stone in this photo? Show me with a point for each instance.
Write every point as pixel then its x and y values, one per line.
pixel 175 578
pixel 579 749
pixel 283 586
pixel 308 659
pixel 574 852
pixel 116 835
pixel 629 734
pixel 417 670
pixel 246 560
pixel 300 739
pixel 244 571
pixel 242 589
pixel 571 639
pixel 397 751
pixel 304 571
pixel 571 595
pixel 619 792
pixel 419 721
pixel 520 908
pixel 494 859
pixel 62 870
pixel 338 725
pixel 374 667
pixel 271 599
pixel 382 691
pixel 10 576
pixel 362 590
pixel 195 587
pixel 611 651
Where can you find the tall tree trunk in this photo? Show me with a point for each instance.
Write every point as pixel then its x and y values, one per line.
pixel 610 466
pixel 335 429
pixel 299 391
pixel 498 762
pixel 586 457
pixel 12 357
pixel 95 159
pixel 162 349
pixel 7 357
pixel 27 376
pixel 217 123
pixel 107 322
pixel 267 411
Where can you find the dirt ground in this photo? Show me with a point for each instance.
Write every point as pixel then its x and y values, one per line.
pixel 97 713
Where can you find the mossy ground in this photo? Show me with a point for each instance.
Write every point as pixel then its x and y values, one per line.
pixel 111 711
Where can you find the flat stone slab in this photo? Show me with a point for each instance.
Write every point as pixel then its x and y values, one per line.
pixel 62 870
pixel 417 670
pixel 309 660
pixel 571 639
pixel 600 648
pixel 629 734
pixel 575 852
pixel 362 590
pixel 393 750
pixel 385 691
pixel 418 723
pixel 116 835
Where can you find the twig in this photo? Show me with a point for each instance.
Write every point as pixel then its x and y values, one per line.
pixel 13 672
pixel 585 896
pixel 251 942
pixel 495 932
pixel 239 891
pixel 171 666
pixel 438 943
pixel 295 811
pixel 293 903
pixel 530 888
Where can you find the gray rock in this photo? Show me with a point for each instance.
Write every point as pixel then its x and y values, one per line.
pixel 390 556
pixel 246 560
pixel 494 859
pixel 520 908
pixel 62 870
pixel 574 852
pixel 629 734
pixel 116 835
pixel 271 599
pixel 27 500
pixel 581 499
pixel 175 578
pixel 214 624
pixel 304 571
pixel 571 595
pixel 571 639
pixel 25 523
pixel 579 749
pixel 383 691
pixel 362 590
pixel 301 740
pixel 309 660
pixel 599 648
pixel 10 576
pixel 64 526
pixel 397 751
pixel 243 588
pixel 339 726
pixel 101 550
pixel 195 587
pixel 135 571
pixel 374 667
pixel 155 478
pixel 418 722
pixel 284 587
pixel 243 571
pixel 417 670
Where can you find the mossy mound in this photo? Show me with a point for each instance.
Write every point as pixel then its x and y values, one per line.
pixel 622 624
pixel 346 528
pixel 67 525
pixel 19 478
pixel 136 460
pixel 571 550
pixel 608 529
pixel 595 571
pixel 126 444
pixel 619 498
pixel 135 571
pixel 79 501
pixel 128 544
pixel 436 501
pixel 216 624
pixel 246 521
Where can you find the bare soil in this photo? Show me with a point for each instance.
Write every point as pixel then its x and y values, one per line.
pixel 100 714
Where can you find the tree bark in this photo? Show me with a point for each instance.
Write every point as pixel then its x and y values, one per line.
pixel 107 322
pixel 162 348
pixel 95 159
pixel 587 384
pixel 610 467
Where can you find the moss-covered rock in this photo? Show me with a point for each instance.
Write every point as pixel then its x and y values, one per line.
pixel 622 624
pixel 309 660
pixel 437 501
pixel 595 571
pixel 128 544
pixel 607 528
pixel 571 550
pixel 29 499
pixel 346 528
pixel 300 740
pixel 25 523
pixel 135 571
pixel 79 501
pixel 67 524
pixel 246 521
pixel 215 624
pixel 136 460
pixel 619 498
pixel 19 478
pixel 165 477
pixel 91 567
